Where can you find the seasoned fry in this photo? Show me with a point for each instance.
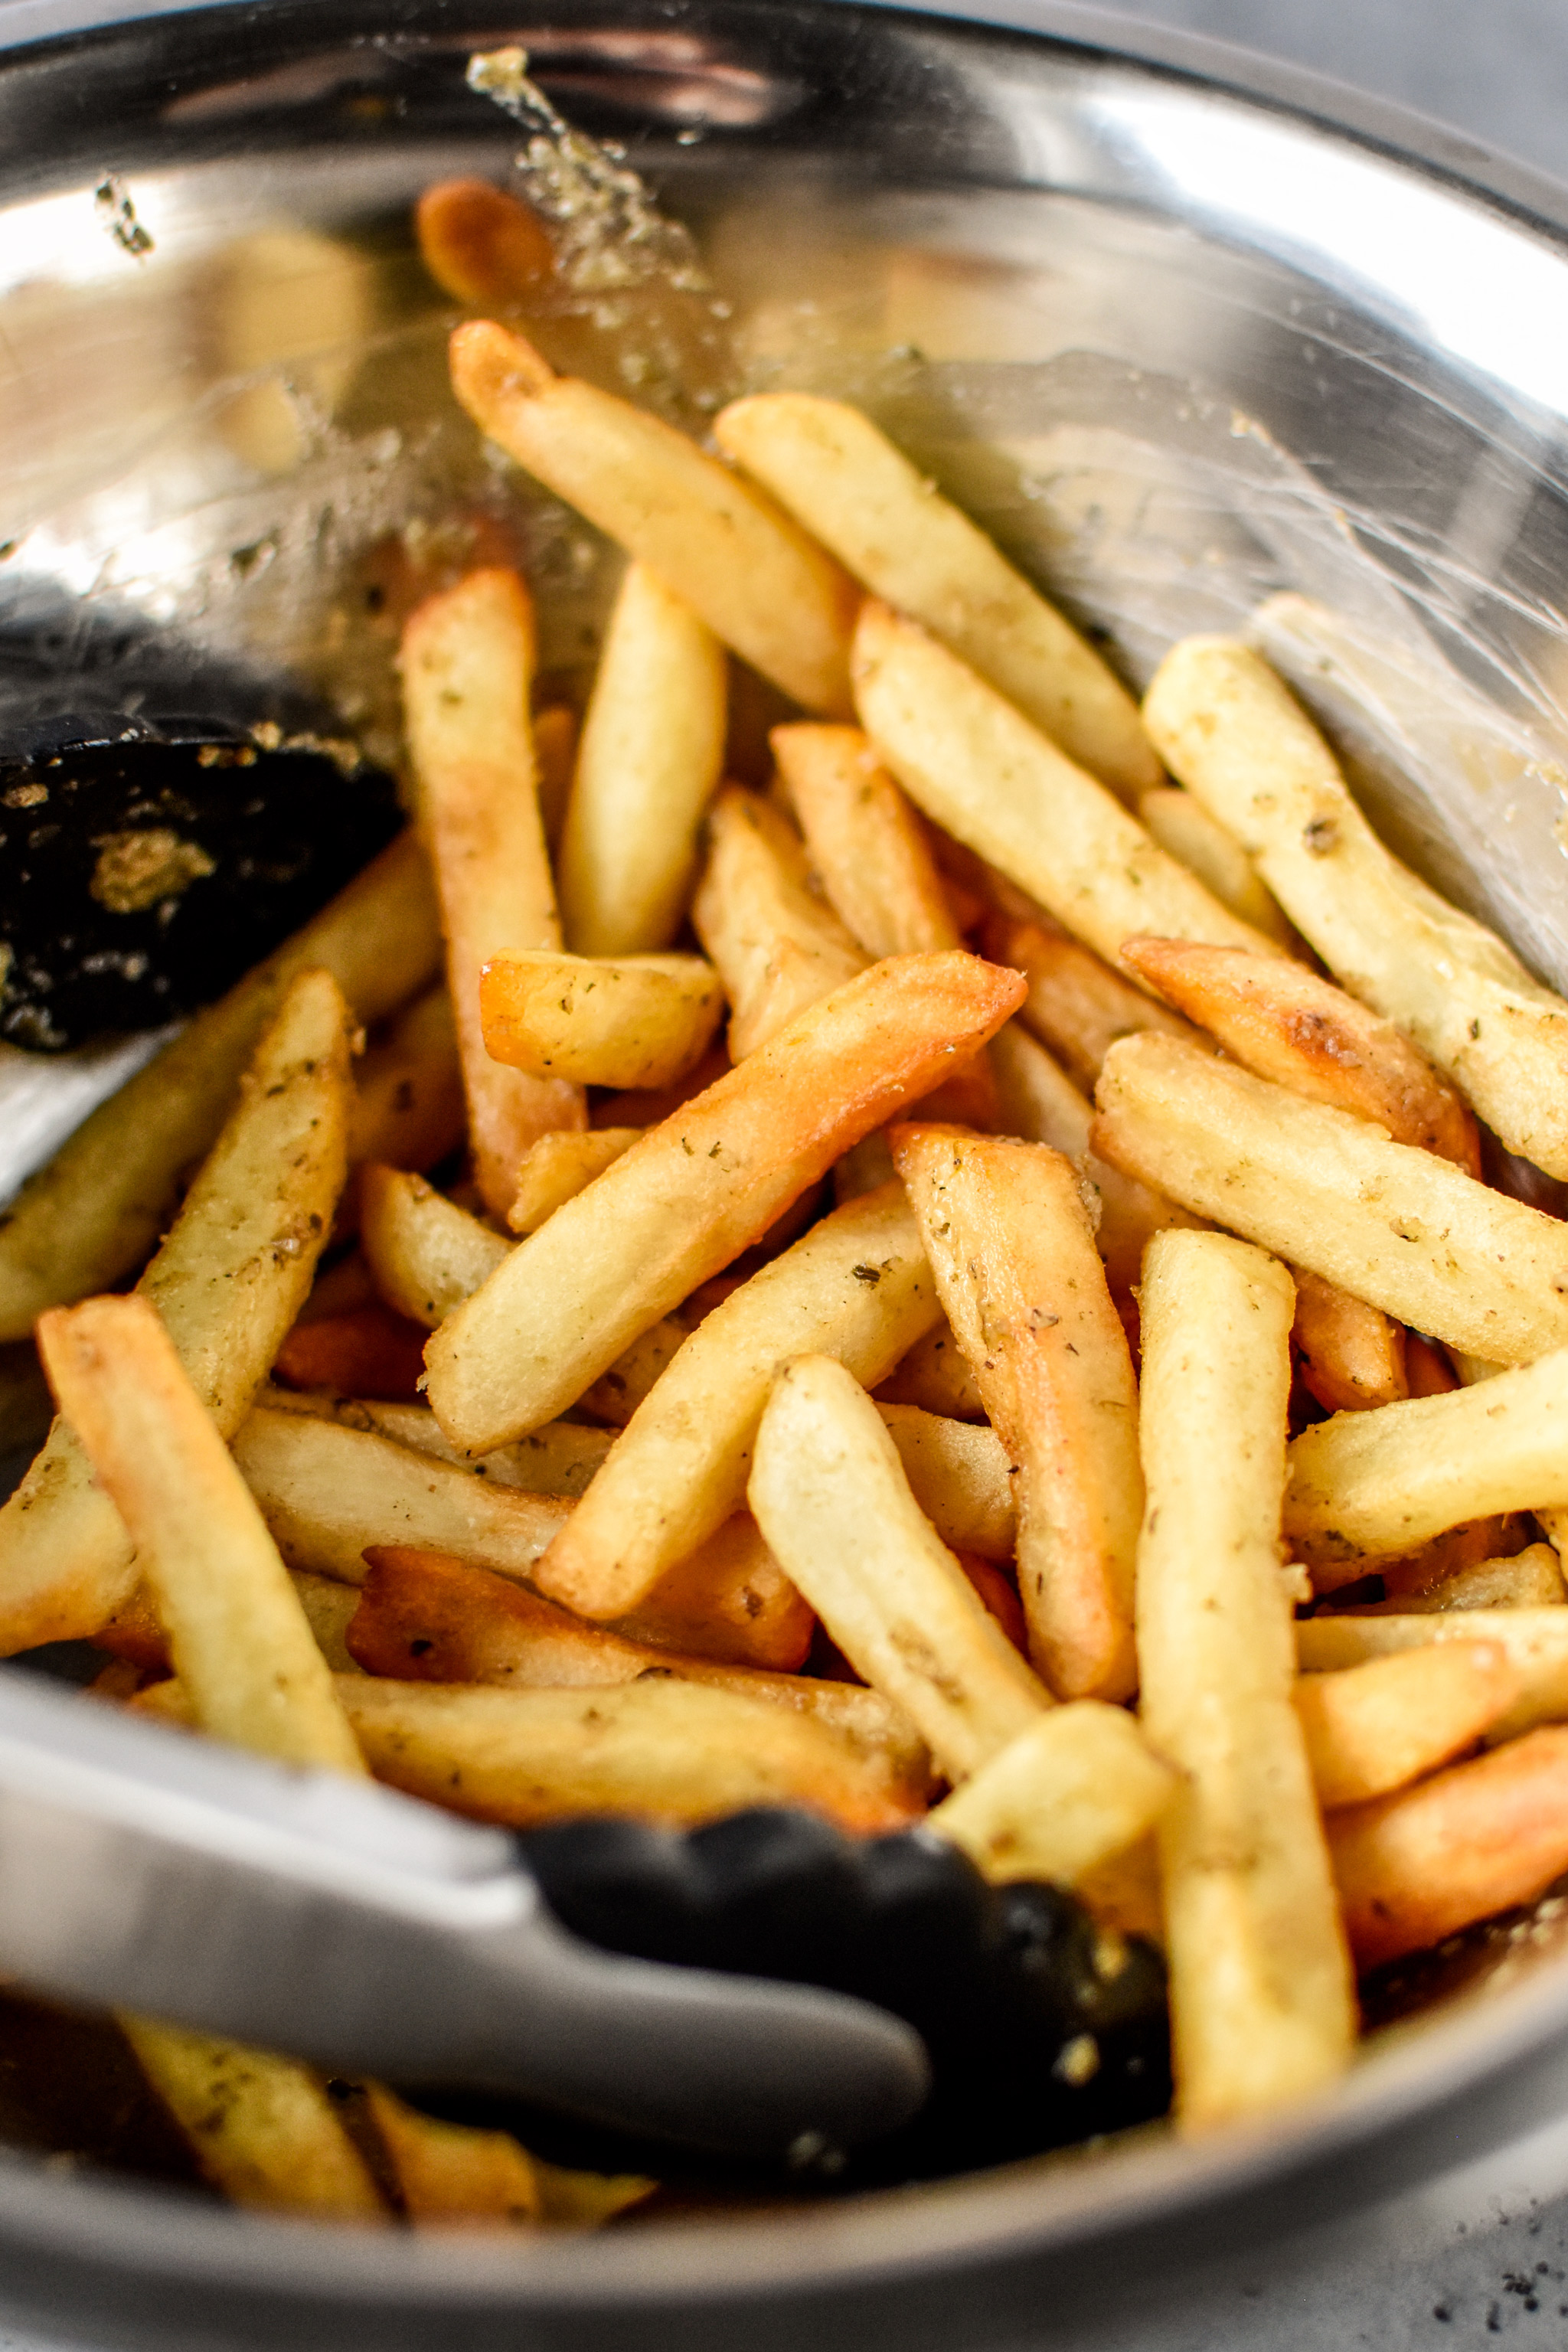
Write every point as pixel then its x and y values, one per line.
pixel 935 1378
pixel 366 1352
pixel 762 587
pixel 778 947
pixel 976 766
pixel 857 1286
pixel 425 1255
pixel 856 493
pixel 1397 1227
pixel 867 845
pixel 1281 1022
pixel 683 1202
pixel 1373 1727
pixel 1186 831
pixel 1260 1989
pixel 558 1167
pixel 643 1021
pixel 650 761
pixel 961 1478
pixel 1076 1005
pixel 831 1497
pixel 1354 1355
pixel 227 1283
pixel 559 1459
pixel 1076 1788
pixel 1012 1248
pixel 452 2176
pixel 1419 1865
pixel 479 244
pixel 408 1097
pixel 1533 1640
pixel 101 1203
pixel 467 661
pixel 1236 738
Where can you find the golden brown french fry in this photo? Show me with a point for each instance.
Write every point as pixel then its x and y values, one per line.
pixel 683 1202
pixel 762 587
pixel 1012 1248
pixel 830 1496
pixel 1282 1022
pixel 857 1286
pixel 99 1207
pixel 135 1632
pixel 1353 1354
pixel 554 757
pixel 467 661
pixel 451 2176
pixel 960 1476
pixel 1417 1866
pixel 368 1353
pixel 558 1167
pixel 408 1097
pixel 856 493
pixel 1374 1727
pixel 1397 1227
pixel 1078 1787
pixel 1370 1486
pixel 867 845
pixel 650 761
pixel 975 764
pixel 1076 1005
pixel 479 244
pixel 1234 734
pixel 1533 1640
pixel 777 945
pixel 935 1378
pixel 1186 831
pixel 425 1254
pixel 227 1283
pixel 1261 2000
pixel 637 1021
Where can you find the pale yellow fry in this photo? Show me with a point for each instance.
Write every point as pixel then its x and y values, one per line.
pixel 1261 1999
pixel 935 1378
pixel 830 1496
pixel 1078 1787
pixel 1236 737
pixel 959 1475
pixel 649 763
pixel 238 1636
pixel 892 527
pixel 467 663
pixel 559 1459
pixel 1534 1641
pixel 634 1021
pixel 451 2176
pixel 1376 1726
pixel 409 1090
pixel 425 1255
pixel 857 1285
pixel 1187 831
pixel 558 1167
pixel 776 944
pixel 865 843
pixel 101 1203
pixel 227 1283
pixel 329 1606
pixel 976 764
pixel 1392 1226
pixel 763 586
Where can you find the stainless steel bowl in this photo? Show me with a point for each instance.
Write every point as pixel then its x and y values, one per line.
pixel 1190 333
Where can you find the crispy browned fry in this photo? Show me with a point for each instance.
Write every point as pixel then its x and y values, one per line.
pixel 95 1212
pixel 467 661
pixel 425 1255
pixel 450 2176
pixel 683 1202
pixel 935 1378
pixel 366 1352
pixel 855 1285
pixel 637 1021
pixel 961 1478
pixel 777 945
pixel 408 1097
pixel 1399 1227
pixel 1184 828
pixel 867 845
pixel 1534 1639
pixel 1076 1005
pixel 1012 1248
pixel 1373 1727
pixel 1419 1865
pixel 227 1283
pixel 1354 1355
pixel 1282 1022
pixel 1076 1788
pixel 479 244
pixel 762 585
pixel 558 1167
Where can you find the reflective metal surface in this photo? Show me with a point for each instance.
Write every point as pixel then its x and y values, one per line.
pixel 1190 351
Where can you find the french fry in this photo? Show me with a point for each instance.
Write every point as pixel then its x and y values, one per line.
pixel 559 1459
pixel 650 761
pixel 1076 1005
pixel 865 843
pixel 1417 1866
pixel 227 1283
pixel 425 1255
pixel 1394 1226
pixel 1078 1787
pixel 452 2176
pixel 935 1378
pixel 1260 1993
pixel 329 1609
pixel 640 1020
pixel 975 765
pixel 777 945
pixel 665 1751
pixel 616 1395
pixel 368 1353
pixel 99 1207
pixel 960 1476
pixel 1534 1641
pixel 762 586
pixel 856 493
pixel 683 1202
pixel 1234 734
pixel 408 1095
pixel 467 660
pixel 1371 1486
pixel 1281 1022
pixel 1354 1355
pixel 1186 831
pixel 857 1286
pixel 479 244
pixel 1373 1727
pixel 831 1498
pixel 1531 1579
pixel 1012 1248
pixel 558 1167
pixel 554 757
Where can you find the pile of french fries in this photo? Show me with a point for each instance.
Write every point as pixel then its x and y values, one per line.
pixel 950 1282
